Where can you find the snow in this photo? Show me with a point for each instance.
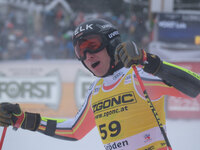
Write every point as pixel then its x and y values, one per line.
pixel 182 134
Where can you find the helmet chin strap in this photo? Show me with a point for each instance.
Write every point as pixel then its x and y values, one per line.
pixel 113 67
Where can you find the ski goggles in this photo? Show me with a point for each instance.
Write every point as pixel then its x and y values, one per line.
pixel 90 43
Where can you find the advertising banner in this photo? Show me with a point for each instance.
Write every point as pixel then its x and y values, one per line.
pixel 51 88
pixel 182 28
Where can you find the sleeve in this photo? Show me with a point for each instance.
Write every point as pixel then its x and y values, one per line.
pixel 155 86
pixel 70 129
pixel 175 77
pixel 182 79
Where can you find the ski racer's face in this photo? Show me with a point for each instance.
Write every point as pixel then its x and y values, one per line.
pixel 98 63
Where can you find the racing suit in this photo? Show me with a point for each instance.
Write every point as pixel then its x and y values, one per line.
pixel 117 106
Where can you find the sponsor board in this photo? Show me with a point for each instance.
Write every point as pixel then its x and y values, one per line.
pixel 44 87
pixel 42 90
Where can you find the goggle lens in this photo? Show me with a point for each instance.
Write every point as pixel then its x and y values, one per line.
pixel 90 43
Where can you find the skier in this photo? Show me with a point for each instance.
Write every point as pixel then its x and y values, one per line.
pixel 115 104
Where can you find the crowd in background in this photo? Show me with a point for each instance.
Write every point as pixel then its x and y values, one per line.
pixel 49 35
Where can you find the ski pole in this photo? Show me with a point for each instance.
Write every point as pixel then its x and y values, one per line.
pixel 2 137
pixel 152 107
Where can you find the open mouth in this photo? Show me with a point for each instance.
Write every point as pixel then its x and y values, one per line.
pixel 95 64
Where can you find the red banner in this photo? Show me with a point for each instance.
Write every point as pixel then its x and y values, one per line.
pixel 184 108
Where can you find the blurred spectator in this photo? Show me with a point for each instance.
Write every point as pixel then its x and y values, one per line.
pixel 49 35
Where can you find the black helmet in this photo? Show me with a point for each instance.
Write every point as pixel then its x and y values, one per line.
pixel 101 27
pixel 107 31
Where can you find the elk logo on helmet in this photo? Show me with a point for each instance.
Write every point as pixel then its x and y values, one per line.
pixel 83 28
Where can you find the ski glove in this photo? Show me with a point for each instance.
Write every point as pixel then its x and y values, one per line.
pixel 129 54
pixel 11 114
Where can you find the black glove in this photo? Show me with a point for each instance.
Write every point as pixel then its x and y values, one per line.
pixel 11 114
pixel 129 54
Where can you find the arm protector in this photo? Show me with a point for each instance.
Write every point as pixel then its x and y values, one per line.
pixel 182 79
